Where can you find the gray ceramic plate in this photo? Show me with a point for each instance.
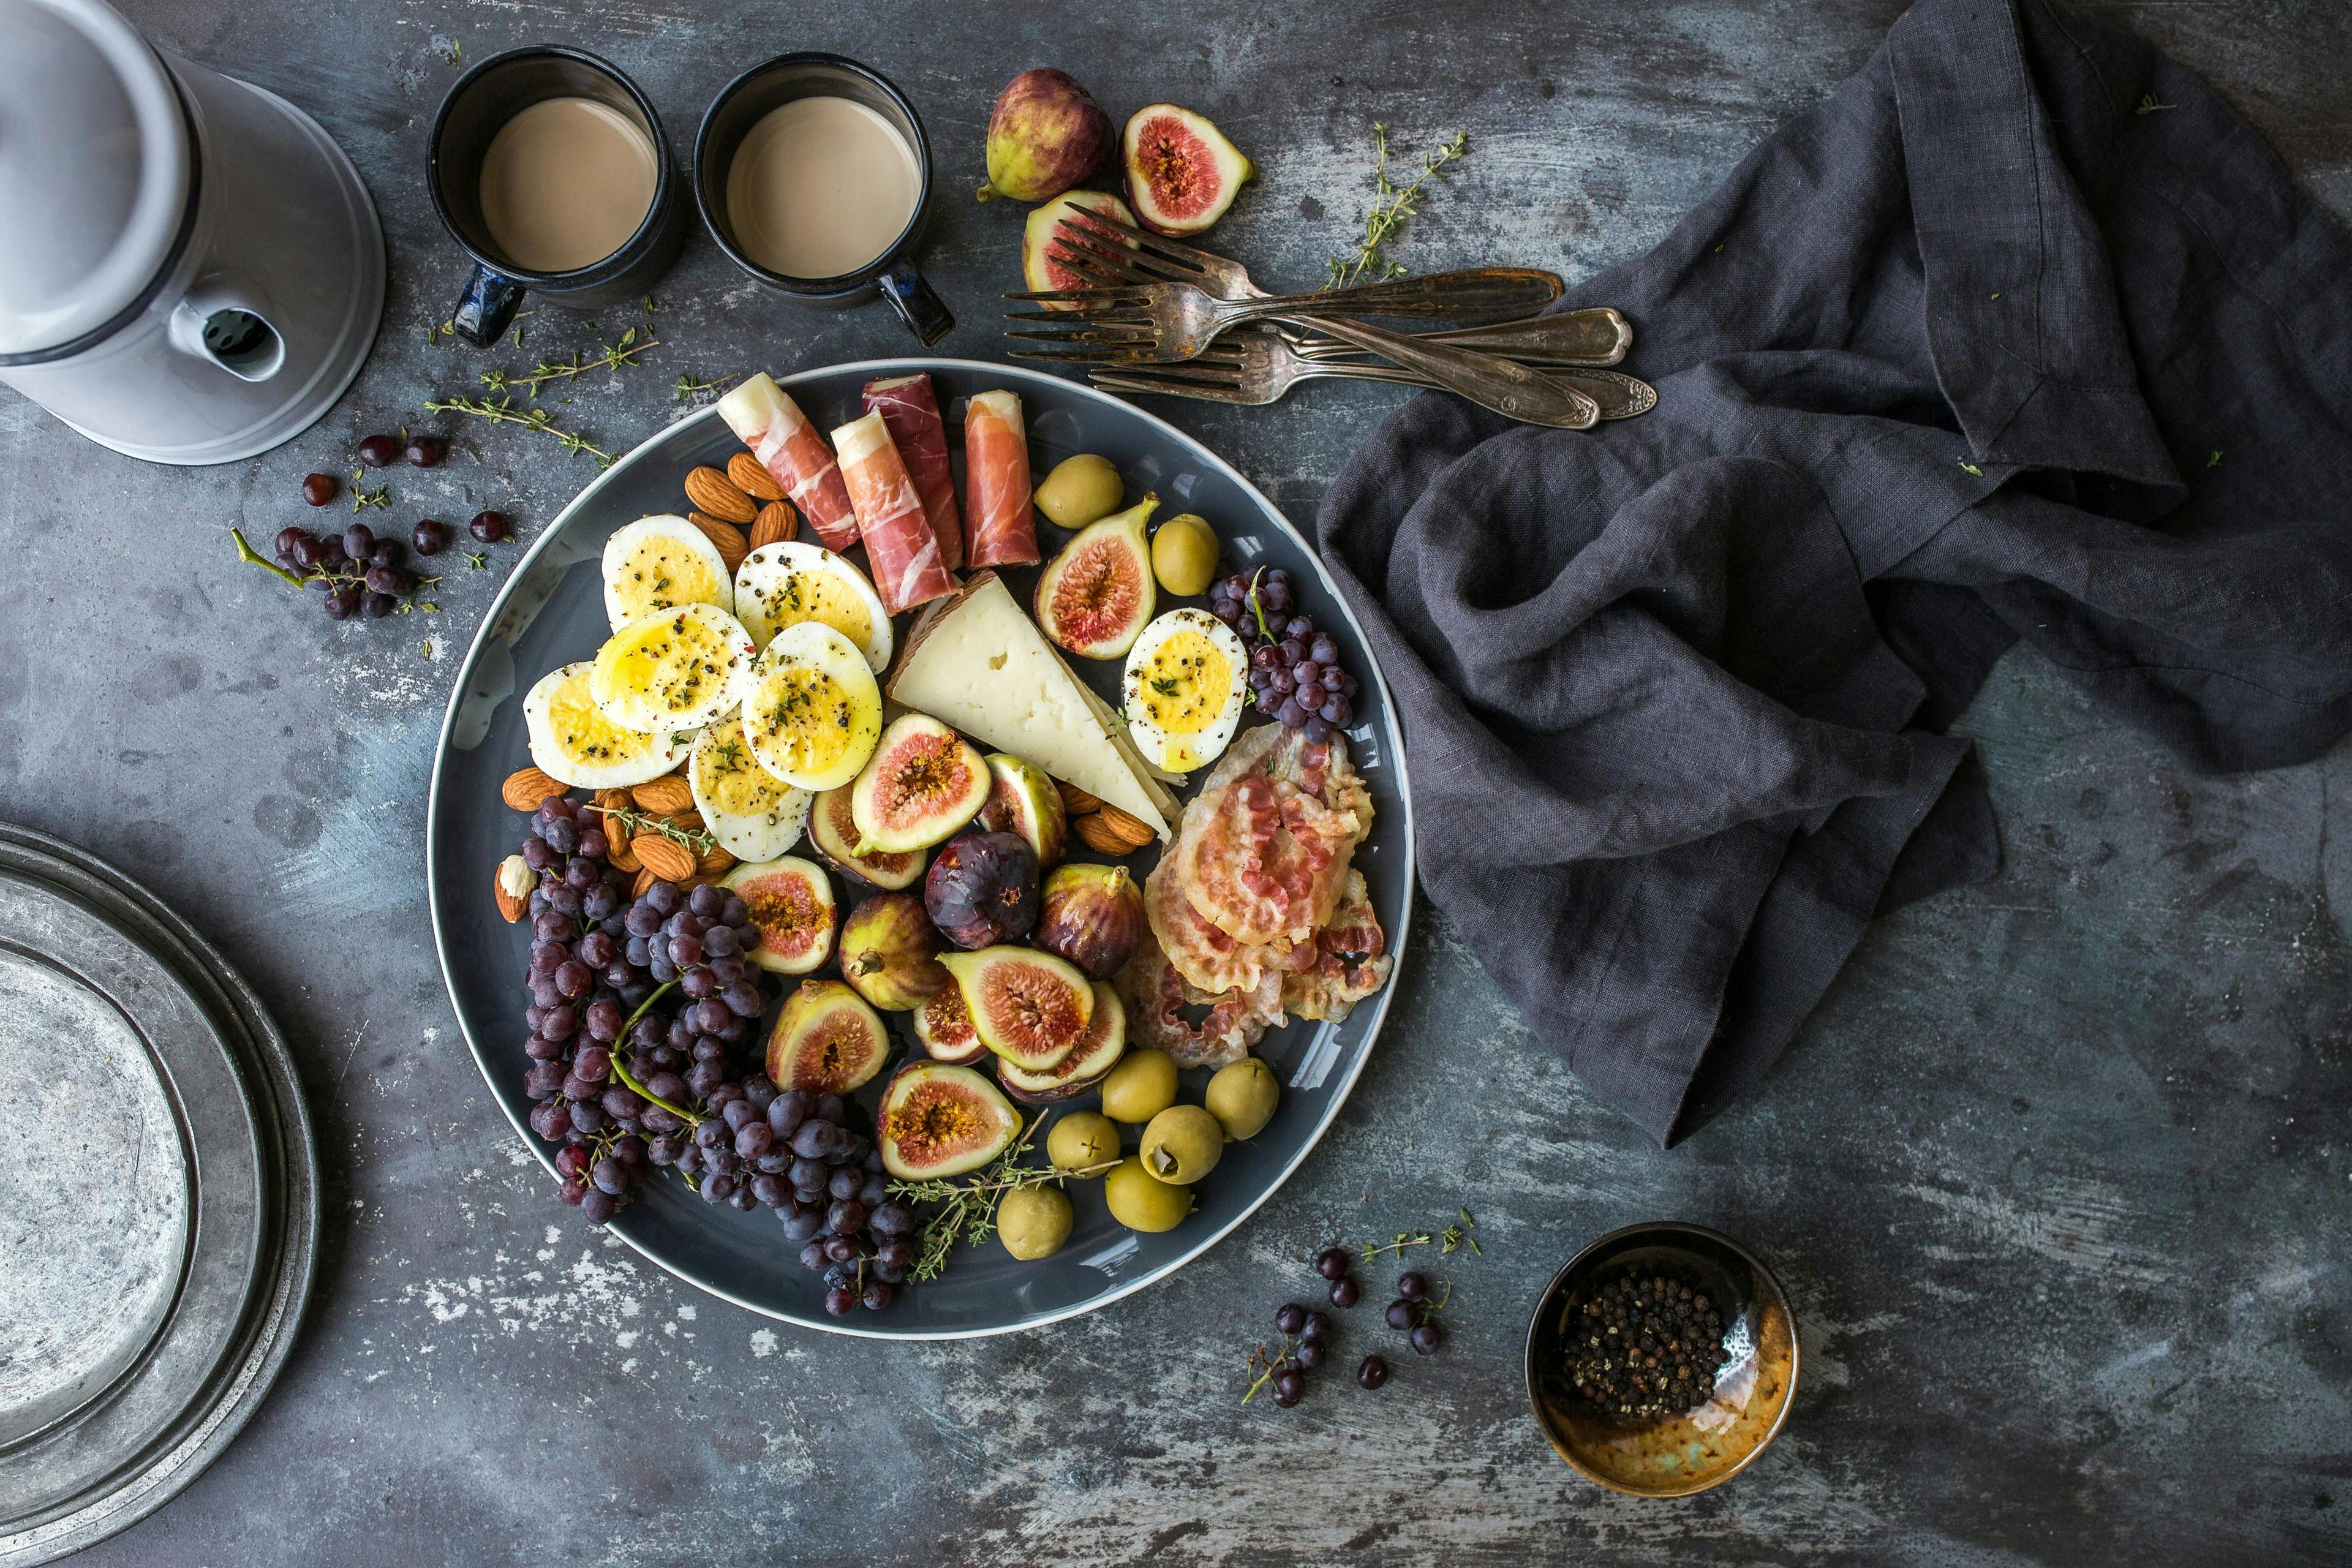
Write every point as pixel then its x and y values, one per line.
pixel 551 612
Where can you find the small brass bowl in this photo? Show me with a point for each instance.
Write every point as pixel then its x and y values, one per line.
pixel 1671 1455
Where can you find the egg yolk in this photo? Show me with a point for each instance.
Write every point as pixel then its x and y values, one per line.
pixel 661 574
pixel 676 663
pixel 582 731
pixel 733 782
pixel 805 715
pixel 806 595
pixel 1185 684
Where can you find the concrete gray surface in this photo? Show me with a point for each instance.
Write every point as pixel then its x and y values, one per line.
pixel 2058 1177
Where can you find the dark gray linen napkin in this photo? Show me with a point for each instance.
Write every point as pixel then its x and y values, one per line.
pixel 2022 334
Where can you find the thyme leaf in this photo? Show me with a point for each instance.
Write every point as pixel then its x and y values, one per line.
pixel 1391 204
pixel 504 412
pixel 608 356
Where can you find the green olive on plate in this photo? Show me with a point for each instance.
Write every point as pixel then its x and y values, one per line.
pixel 1242 1097
pixel 1184 555
pixel 1140 1201
pixel 1141 1087
pixel 1081 1139
pixel 1081 490
pixel 1183 1144
pixel 1033 1222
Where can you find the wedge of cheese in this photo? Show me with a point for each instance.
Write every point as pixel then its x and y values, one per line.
pixel 981 666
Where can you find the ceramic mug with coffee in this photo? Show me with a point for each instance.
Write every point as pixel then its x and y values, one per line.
pixel 549 168
pixel 812 174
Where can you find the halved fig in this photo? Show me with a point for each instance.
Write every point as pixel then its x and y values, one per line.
pixel 1030 1007
pixel 889 953
pixel 1023 802
pixel 923 783
pixel 1091 915
pixel 939 1120
pixel 790 901
pixel 1038 239
pixel 1095 597
pixel 1181 171
pixel 826 1040
pixel 1083 1068
pixel 981 889
pixel 943 1025
pixel 833 832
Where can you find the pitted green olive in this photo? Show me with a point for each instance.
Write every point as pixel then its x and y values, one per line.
pixel 1141 1087
pixel 1140 1201
pixel 1242 1097
pixel 1033 1222
pixel 1081 1139
pixel 1081 490
pixel 1183 1144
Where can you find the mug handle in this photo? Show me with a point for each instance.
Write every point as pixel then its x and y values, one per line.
pixel 924 312
pixel 486 307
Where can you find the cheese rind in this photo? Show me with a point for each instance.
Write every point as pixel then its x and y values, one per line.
pixel 981 666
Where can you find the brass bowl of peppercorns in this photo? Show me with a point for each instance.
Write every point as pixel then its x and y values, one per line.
pixel 1662 1359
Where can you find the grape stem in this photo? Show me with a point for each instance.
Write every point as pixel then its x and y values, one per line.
pixel 246 552
pixel 629 1082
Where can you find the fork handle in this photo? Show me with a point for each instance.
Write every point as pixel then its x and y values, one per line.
pixel 1471 294
pixel 1595 335
pixel 1511 390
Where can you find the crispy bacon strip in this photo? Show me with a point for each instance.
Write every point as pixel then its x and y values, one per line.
pixel 765 418
pixel 899 544
pixel 1153 991
pixel 911 410
pixel 997 512
pixel 1349 964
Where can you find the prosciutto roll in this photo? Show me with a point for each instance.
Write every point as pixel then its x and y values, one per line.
pixel 1001 523
pixel 912 411
pixel 900 548
pixel 765 418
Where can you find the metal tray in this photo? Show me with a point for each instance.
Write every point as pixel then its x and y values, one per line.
pixel 551 612
pixel 161 1191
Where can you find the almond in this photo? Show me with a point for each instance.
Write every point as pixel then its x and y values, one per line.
pixel 668 860
pixel 712 491
pixel 1111 831
pixel 732 545
pixel 663 795
pixel 643 884
pixel 513 885
pixel 745 472
pixel 714 864
pixel 689 820
pixel 610 799
pixel 1077 802
pixel 617 851
pixel 526 787
pixel 777 523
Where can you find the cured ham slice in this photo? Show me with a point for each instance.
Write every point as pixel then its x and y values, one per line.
pixel 912 411
pixel 765 418
pixel 1153 992
pixel 900 545
pixel 1000 523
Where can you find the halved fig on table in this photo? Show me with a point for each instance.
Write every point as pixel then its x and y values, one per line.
pixel 982 888
pixel 826 1040
pixel 889 953
pixel 1037 238
pixel 923 784
pixel 1182 170
pixel 937 1120
pixel 833 832
pixel 1085 1067
pixel 1030 1007
pixel 1096 596
pixel 790 901
pixel 943 1025
pixel 1023 802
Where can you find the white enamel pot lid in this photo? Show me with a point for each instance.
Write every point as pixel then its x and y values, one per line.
pixel 94 171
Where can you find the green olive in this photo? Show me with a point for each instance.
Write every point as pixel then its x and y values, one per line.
pixel 1184 555
pixel 1140 1201
pixel 1183 1144
pixel 1081 1139
pixel 1080 490
pixel 1033 1222
pixel 1141 1087
pixel 1242 1097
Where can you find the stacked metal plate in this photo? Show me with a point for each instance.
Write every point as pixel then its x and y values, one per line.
pixel 159 1203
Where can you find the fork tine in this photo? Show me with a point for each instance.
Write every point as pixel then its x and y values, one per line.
pixel 1151 386
pixel 1086 356
pixel 1131 268
pixel 1085 318
pixel 1093 266
pixel 1136 239
pixel 1079 296
pixel 1195 373
pixel 1121 338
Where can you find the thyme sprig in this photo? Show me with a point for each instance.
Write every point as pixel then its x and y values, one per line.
pixel 1264 1364
pixel 1453 1239
pixel 633 822
pixel 504 412
pixel 688 387
pixel 363 498
pixel 968 1206
pixel 609 356
pixel 1391 204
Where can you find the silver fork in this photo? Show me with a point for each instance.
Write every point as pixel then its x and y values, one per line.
pixel 1169 321
pixel 1259 367
pixel 1131 254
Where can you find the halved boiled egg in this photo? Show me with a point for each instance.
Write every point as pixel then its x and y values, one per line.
pixel 574 744
pixel 812 711
pixel 673 669
pixel 754 814
pixel 779 585
pixel 660 563
pixel 1187 680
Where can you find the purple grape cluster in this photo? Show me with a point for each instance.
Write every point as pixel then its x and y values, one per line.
pixel 362 574
pixel 644 1017
pixel 1295 670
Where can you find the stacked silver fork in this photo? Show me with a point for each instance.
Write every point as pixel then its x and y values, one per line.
pixel 1159 317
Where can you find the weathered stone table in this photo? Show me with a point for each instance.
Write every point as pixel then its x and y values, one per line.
pixel 2072 1264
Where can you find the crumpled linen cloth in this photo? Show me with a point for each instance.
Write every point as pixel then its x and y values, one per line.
pixel 2023 333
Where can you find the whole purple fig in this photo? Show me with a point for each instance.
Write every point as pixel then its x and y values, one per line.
pixel 982 888
pixel 1045 136
pixel 1091 915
